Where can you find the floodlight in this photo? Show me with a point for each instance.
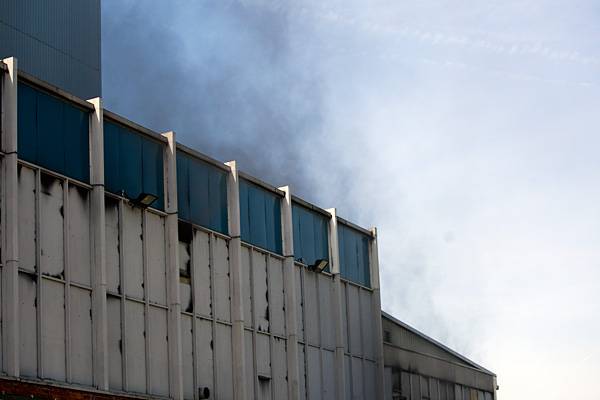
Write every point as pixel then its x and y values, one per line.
pixel 320 265
pixel 145 199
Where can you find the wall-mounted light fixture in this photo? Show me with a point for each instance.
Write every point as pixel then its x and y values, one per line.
pixel 319 265
pixel 145 199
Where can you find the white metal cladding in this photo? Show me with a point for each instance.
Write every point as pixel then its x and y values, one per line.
pixel 136 299
pixel 206 316
pixel 264 317
pixel 55 317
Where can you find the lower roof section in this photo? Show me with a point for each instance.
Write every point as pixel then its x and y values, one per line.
pixel 408 349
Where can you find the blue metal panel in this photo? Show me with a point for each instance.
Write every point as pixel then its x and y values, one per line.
pixel 27 123
pixel 218 200
pixel 152 167
pixel 130 164
pixel 76 143
pixel 50 137
pixel 310 235
pixel 53 133
pixel 260 217
pixel 183 187
pixel 133 164
pixel 112 172
pixel 354 255
pixel 202 193
pixel 198 184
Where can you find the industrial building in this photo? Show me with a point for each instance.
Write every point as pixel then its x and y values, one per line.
pixel 132 266
pixel 57 41
pixel 419 367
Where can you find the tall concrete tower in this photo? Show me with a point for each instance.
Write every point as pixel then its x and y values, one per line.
pixel 57 41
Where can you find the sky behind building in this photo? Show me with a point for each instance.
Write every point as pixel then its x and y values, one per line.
pixel 467 132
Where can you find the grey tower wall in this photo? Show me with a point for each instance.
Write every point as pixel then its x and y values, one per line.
pixel 57 41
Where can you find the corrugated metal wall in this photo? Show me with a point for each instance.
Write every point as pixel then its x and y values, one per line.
pixel 57 41
pixel 404 385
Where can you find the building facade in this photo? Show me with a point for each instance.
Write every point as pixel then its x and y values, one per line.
pixel 133 266
pixel 418 367
pixel 57 41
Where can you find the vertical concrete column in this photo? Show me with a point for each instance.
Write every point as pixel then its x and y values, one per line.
pixel 172 232
pixel 98 227
pixel 10 212
pixel 289 279
pixel 235 267
pixel 376 311
pixel 338 310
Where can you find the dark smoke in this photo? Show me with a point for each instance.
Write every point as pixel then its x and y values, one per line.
pixel 223 75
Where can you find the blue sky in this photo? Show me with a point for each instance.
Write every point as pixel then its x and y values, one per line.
pixel 468 132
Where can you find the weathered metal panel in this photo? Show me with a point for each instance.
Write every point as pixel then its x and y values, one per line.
pixel 135 343
pixel 27 325
pixel 313 373
pixel 415 386
pixel 326 318
pixel 249 363
pixel 328 368
pixel 263 355
pixel 159 352
pixel 185 282
pixel 358 379
pixel 260 292
pixel 277 296
pixel 370 380
pixel 434 390
pixel 115 347
pixel 113 278
pixel 204 354
pixel 53 333
pixel 202 271
pixel 187 356
pixel 247 286
pixel 367 323
pixel 299 303
pixel 311 308
pixel 27 215
pixel 424 381
pixel 51 226
pixel 224 362
pixel 81 336
pixel 480 395
pixel 263 366
pixel 388 391
pixel 405 384
pixel 458 393
pixel 133 256
pixel 264 390
pixel 155 248
pixel 302 371
pixel 79 235
pixel 220 262
pixel 348 371
pixel 488 396
pixel 279 369
pixel 354 320
pixel 345 317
